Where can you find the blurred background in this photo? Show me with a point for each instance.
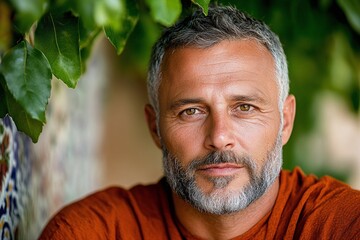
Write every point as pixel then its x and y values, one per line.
pixel 96 135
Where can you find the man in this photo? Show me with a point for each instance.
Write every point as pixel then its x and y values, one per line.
pixel 220 111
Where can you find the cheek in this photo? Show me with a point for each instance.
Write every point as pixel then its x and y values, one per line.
pixel 183 141
pixel 257 139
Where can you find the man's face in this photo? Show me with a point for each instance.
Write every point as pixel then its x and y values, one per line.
pixel 219 120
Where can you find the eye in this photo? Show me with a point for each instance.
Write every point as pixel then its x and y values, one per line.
pixel 245 107
pixel 190 111
pixel 191 114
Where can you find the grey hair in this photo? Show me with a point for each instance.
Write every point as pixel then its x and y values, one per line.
pixel 200 31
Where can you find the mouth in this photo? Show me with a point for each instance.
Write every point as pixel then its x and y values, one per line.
pixel 219 170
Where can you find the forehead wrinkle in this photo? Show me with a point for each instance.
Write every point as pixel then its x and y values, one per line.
pixel 241 75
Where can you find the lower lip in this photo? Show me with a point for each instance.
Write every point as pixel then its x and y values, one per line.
pixel 217 172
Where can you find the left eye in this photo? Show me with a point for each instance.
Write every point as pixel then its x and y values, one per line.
pixel 245 107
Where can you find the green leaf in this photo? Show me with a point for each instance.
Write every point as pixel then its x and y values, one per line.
pixel 108 13
pixel 136 55
pixel 87 38
pixel 204 4
pixel 3 105
pixel 27 12
pixel 86 11
pixel 165 12
pixel 352 11
pixel 128 20
pixel 85 54
pixel 59 7
pixel 58 38
pixel 23 121
pixel 28 79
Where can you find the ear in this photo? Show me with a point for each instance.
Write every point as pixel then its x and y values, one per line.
pixel 151 122
pixel 288 118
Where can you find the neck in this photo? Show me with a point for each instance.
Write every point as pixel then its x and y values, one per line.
pixel 210 226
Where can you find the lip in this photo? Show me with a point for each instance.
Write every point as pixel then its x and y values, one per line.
pixel 222 169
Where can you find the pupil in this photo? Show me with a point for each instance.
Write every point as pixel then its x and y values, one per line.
pixel 244 107
pixel 190 111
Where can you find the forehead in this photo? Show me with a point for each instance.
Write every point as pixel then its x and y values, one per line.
pixel 242 64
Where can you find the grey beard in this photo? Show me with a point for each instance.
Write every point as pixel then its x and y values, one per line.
pixel 182 180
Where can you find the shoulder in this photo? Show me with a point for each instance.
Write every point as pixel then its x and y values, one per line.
pixel 317 191
pixel 101 214
pixel 323 206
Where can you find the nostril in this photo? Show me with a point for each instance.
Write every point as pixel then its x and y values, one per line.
pixel 220 141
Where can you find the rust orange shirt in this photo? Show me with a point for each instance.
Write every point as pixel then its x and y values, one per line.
pixel 306 208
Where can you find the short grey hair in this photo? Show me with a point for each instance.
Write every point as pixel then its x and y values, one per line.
pixel 200 31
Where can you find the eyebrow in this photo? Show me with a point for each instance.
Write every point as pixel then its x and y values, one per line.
pixel 182 102
pixel 250 98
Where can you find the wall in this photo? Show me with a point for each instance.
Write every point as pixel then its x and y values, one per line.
pixel 15 173
pixel 38 179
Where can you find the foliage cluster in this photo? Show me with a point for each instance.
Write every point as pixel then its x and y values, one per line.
pixel 40 39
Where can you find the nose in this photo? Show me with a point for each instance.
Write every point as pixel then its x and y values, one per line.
pixel 220 135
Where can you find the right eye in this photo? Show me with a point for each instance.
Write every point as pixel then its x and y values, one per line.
pixel 190 111
pixel 191 114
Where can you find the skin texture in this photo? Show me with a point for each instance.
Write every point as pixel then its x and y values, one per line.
pixel 223 98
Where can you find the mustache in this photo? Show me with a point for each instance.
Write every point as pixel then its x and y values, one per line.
pixel 223 157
